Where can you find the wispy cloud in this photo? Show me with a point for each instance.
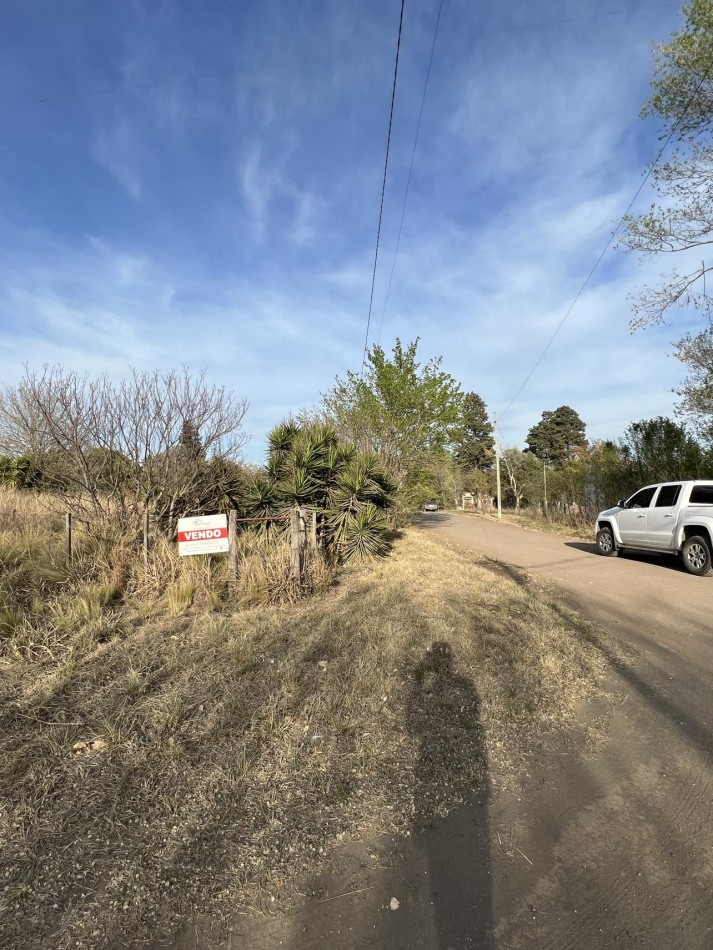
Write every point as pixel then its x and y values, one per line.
pixel 270 196
pixel 249 147
pixel 117 148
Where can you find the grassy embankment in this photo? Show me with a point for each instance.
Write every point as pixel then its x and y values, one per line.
pixel 162 755
pixel 570 526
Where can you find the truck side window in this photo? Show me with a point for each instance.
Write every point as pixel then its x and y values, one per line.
pixel 701 495
pixel 668 496
pixel 642 499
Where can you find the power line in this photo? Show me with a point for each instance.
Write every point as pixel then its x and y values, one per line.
pixel 410 171
pixel 383 185
pixel 606 247
pixel 535 25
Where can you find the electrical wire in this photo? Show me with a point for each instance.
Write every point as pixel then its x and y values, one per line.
pixel 608 244
pixel 410 171
pixel 544 24
pixel 383 186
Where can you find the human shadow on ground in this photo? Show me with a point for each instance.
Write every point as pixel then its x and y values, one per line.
pixel 443 714
pixel 430 889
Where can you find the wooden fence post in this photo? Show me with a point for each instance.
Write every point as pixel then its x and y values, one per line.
pixel 232 549
pixel 303 535
pixel 146 536
pixel 68 538
pixel 296 544
pixel 313 531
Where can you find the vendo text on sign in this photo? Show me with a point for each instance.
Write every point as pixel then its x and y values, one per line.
pixel 204 534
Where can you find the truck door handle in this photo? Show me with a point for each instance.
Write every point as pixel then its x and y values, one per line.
pixel 669 515
pixel 641 516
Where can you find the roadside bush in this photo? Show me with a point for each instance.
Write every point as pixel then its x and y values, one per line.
pixel 350 491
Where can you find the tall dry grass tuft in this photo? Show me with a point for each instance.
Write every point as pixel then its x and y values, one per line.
pixel 44 600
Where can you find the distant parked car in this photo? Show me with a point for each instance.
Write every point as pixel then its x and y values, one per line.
pixel 430 506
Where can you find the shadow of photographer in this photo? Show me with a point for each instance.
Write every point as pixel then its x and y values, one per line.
pixel 443 714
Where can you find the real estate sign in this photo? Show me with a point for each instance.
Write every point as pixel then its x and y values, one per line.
pixel 206 534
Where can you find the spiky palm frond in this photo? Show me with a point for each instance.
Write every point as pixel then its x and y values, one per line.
pixel 297 486
pixel 260 499
pixel 361 535
pixel 326 435
pixel 274 467
pixel 308 452
pixel 281 438
pixel 362 480
pixel 310 468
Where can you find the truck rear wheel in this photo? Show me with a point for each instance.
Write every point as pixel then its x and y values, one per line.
pixel 605 542
pixel 696 554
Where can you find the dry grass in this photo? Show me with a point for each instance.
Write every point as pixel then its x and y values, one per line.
pixel 573 526
pixel 43 600
pixel 154 767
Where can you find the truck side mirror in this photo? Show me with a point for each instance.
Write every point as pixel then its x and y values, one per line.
pixel 621 504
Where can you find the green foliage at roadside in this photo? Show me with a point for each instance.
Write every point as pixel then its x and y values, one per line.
pixel 661 450
pixel 557 436
pixel 595 476
pixel 475 449
pixel 410 415
pixel 308 466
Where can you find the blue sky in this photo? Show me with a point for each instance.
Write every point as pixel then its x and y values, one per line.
pixel 199 182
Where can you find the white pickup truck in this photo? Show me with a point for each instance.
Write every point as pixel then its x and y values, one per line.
pixel 670 518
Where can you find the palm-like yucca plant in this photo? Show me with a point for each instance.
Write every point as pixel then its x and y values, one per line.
pixel 362 490
pixel 365 479
pixel 298 486
pixel 363 535
pixel 261 500
pixel 308 453
pixel 280 441
pixel 310 468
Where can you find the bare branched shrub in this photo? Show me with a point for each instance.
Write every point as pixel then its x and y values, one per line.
pixel 167 441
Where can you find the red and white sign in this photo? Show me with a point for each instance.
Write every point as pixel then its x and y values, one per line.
pixel 207 534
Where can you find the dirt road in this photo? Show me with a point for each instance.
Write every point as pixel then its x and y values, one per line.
pixel 621 841
pixel 609 844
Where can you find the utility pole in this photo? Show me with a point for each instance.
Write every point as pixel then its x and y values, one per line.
pixel 544 473
pixel 497 464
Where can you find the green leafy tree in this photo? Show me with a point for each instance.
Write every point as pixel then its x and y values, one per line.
pixel 523 478
pixel 557 436
pixel 399 409
pixel 608 476
pixel 681 219
pixel 696 392
pixel 438 478
pixel 475 447
pixel 660 450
